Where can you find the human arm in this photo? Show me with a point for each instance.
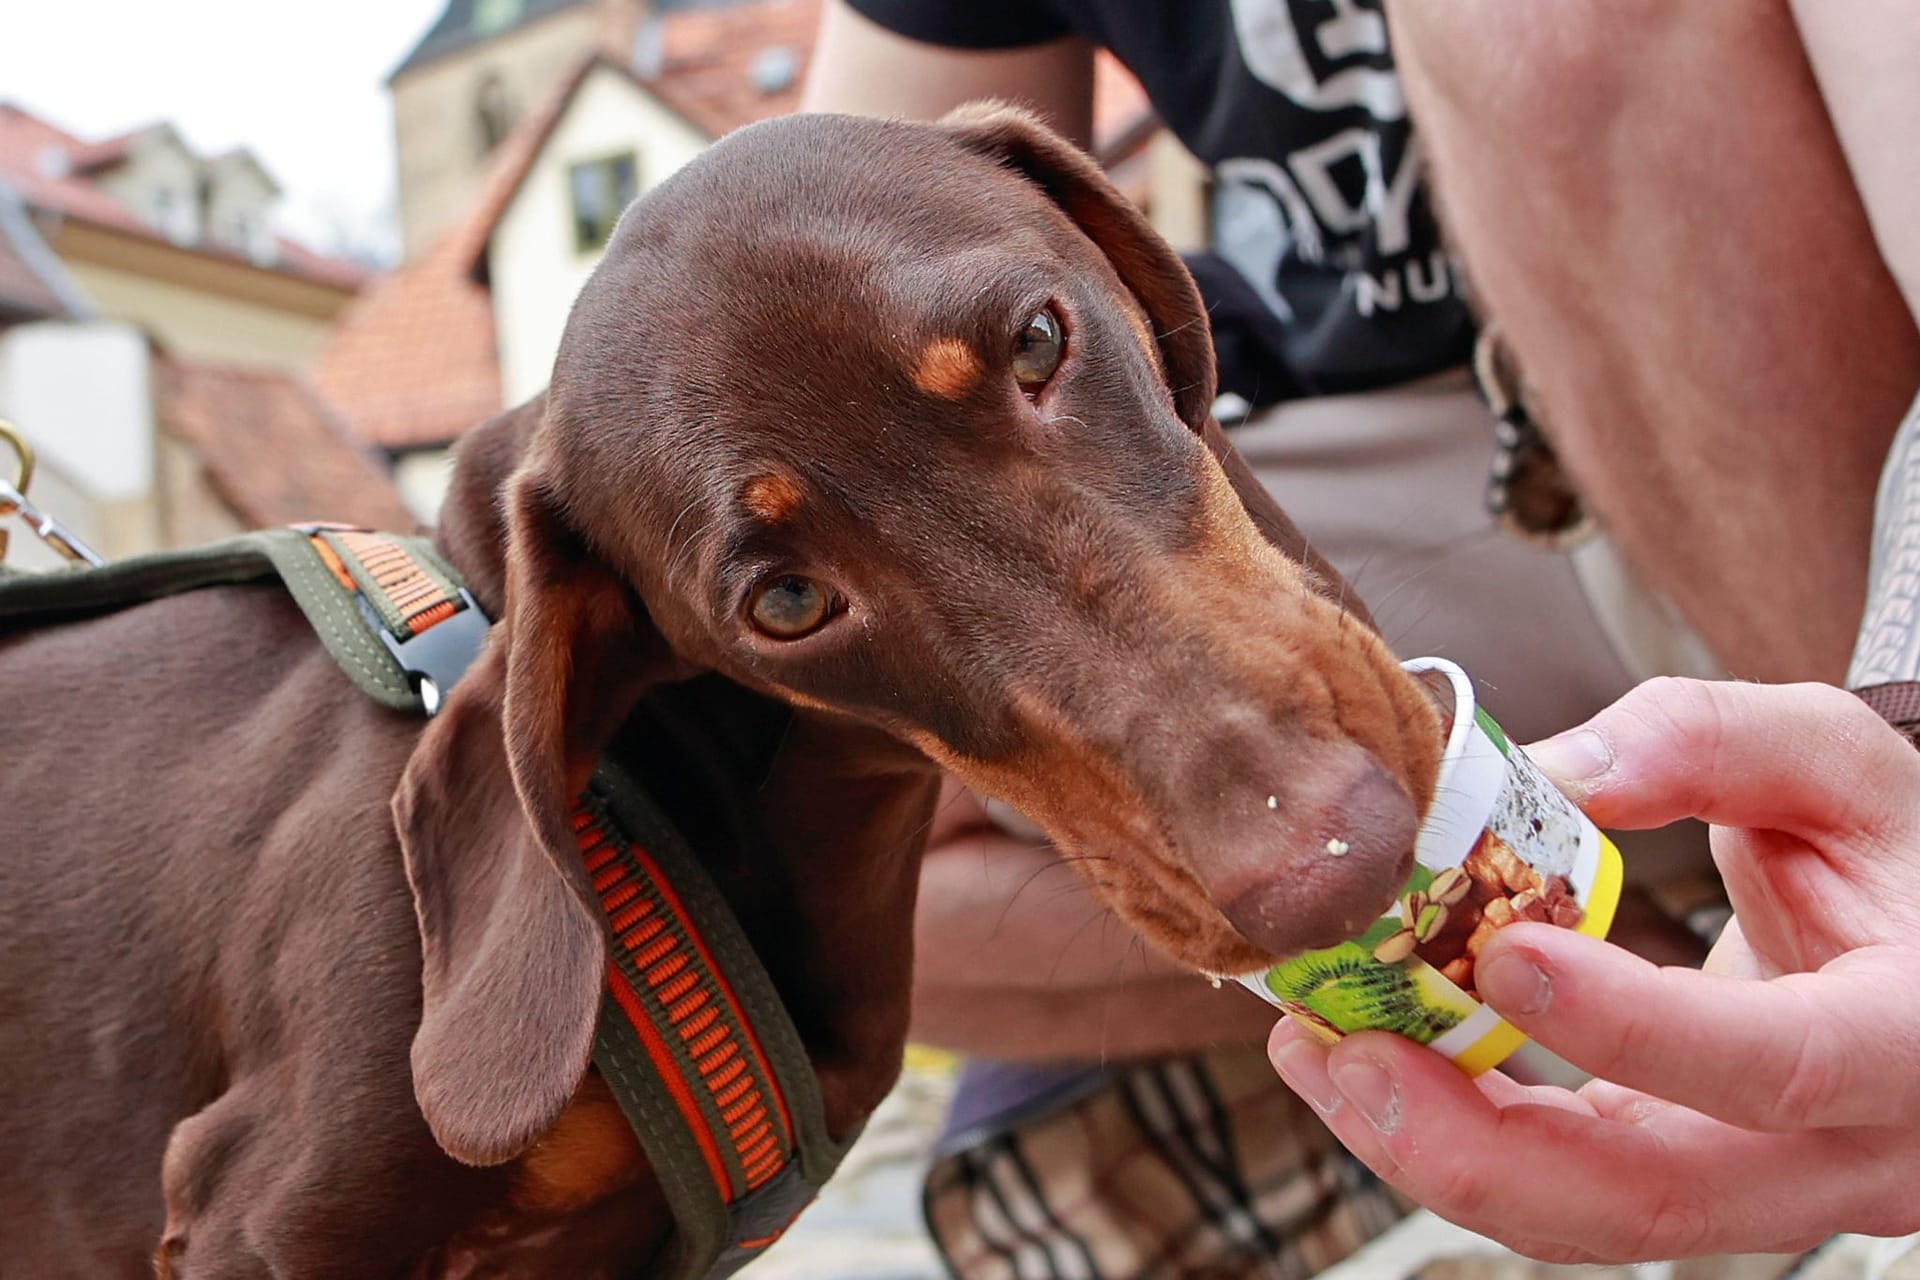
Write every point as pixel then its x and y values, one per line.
pixel 862 68
pixel 1761 1105
pixel 1015 959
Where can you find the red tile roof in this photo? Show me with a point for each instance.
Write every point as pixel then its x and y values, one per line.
pixel 92 157
pixel 272 449
pixel 45 163
pixel 708 58
pixel 34 154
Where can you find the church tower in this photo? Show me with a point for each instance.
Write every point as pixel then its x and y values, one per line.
pixel 476 71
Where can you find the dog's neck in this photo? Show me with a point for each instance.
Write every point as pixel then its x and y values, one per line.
pixel 811 825
pixel 472 532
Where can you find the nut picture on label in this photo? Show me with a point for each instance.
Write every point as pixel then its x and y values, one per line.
pixel 1464 905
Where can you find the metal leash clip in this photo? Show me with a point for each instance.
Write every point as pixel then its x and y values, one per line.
pixel 13 502
pixel 1529 494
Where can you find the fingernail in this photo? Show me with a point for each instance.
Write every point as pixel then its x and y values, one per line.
pixel 1303 1065
pixel 1512 983
pixel 1575 757
pixel 1371 1091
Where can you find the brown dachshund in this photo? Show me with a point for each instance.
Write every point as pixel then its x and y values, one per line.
pixel 872 450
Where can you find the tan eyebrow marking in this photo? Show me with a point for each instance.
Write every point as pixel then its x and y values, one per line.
pixel 774 496
pixel 948 368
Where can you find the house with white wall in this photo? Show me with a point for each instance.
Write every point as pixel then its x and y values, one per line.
pixel 153 233
pixel 614 140
pixel 145 345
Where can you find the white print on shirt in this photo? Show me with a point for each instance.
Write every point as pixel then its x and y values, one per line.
pixel 1264 211
pixel 1272 42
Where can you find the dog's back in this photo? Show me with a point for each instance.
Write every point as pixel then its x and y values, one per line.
pixel 196 819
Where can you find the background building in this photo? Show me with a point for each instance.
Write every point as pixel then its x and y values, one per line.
pixel 153 328
pixel 148 231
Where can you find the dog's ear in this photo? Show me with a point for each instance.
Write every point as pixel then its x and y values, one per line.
pixel 1146 264
pixel 514 955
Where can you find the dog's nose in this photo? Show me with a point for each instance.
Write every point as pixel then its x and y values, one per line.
pixel 1343 848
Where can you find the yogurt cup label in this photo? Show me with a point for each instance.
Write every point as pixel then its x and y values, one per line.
pixel 1499 845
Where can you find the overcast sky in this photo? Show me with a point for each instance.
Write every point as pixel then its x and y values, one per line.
pixel 299 84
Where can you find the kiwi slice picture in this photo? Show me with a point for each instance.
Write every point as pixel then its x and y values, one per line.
pixel 1345 989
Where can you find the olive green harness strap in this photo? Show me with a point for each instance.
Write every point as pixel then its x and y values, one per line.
pixel 376 658
pixel 695 1043
pixel 693 1039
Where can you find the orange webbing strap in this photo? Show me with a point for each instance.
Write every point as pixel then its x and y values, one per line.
pixel 695 1044
pixel 429 624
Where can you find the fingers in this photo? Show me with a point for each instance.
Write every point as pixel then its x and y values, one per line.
pixel 1567 1184
pixel 1809 1051
pixel 1807 759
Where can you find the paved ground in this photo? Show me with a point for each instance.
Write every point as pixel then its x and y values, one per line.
pixel 867 1225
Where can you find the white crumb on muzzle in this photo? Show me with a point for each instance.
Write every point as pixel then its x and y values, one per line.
pixel 1273 802
pixel 1338 847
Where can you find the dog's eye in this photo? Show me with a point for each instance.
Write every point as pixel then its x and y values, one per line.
pixel 789 606
pixel 1037 351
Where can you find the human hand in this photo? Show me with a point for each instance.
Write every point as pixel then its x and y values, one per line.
pixel 1761 1105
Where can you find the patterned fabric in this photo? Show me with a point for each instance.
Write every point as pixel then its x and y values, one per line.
pixel 1202 1168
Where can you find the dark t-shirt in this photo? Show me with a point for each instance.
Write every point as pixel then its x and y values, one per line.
pixel 1326 272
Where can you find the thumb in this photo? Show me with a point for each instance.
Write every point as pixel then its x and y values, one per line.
pixel 1808 759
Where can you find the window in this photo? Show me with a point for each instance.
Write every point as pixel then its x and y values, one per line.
pixel 601 189
pixel 493 112
pixel 174 215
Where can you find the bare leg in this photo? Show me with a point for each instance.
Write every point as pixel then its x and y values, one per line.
pixel 1653 205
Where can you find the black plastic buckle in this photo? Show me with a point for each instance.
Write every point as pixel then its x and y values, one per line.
pixel 436 658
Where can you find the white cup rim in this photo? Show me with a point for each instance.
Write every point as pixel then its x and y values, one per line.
pixel 1463 701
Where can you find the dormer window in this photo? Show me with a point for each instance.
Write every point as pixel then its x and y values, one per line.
pixel 493 112
pixel 253 237
pixel 601 189
pixel 173 217
pixel 490 17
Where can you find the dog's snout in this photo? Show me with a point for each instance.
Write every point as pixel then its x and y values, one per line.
pixel 1339 848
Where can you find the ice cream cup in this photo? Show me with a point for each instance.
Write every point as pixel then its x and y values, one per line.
pixel 1499 845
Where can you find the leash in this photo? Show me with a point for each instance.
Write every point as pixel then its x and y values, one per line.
pixel 693 1039
pixel 13 502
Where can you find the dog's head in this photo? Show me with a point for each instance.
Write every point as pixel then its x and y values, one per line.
pixel 909 425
